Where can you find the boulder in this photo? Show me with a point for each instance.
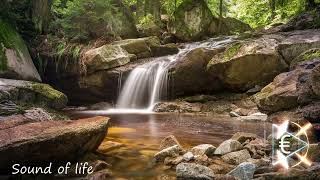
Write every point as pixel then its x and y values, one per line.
pixel 177 106
pixel 194 171
pixel 254 117
pixel 189 74
pixel 305 56
pixel 246 64
pixel 203 149
pixel 288 90
pixel 243 171
pixel 315 80
pixel 15 60
pixel 191 20
pixel 50 141
pixel 229 26
pixel 236 157
pixel 259 148
pixel 228 146
pixel 297 42
pixel 169 141
pixel 172 151
pixel 243 137
pixel 105 57
pixel 32 92
pixel 188 156
pixel 311 112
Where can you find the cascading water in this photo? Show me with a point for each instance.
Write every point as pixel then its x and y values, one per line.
pixel 147 84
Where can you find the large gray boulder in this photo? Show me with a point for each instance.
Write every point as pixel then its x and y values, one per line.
pixel 15 60
pixel 243 171
pixel 191 20
pixel 228 146
pixel 40 143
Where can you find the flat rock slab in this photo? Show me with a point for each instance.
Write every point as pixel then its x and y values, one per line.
pixel 50 141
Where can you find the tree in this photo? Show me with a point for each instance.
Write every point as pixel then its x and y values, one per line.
pixel 220 15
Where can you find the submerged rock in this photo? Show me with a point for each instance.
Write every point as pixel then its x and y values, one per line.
pixel 228 146
pixel 32 92
pixel 50 141
pixel 244 171
pixel 169 141
pixel 254 117
pixel 194 171
pixel 15 60
pixel 191 20
pixel 173 151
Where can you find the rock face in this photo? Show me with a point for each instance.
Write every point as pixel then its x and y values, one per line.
pixel 191 20
pixel 244 171
pixel 194 171
pixel 229 26
pixel 246 64
pixel 50 141
pixel 15 60
pixel 228 146
pixel 32 92
pixel 288 89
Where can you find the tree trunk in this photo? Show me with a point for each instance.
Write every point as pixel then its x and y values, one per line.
pixel 273 9
pixel 220 16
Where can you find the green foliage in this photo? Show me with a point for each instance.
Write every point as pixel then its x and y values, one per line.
pixel 146 21
pixel 169 6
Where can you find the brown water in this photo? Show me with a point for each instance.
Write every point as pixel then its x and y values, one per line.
pixel 140 136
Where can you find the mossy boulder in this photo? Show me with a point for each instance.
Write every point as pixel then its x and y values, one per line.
pixel 15 60
pixel 31 93
pixel 106 57
pixel 228 26
pixel 306 56
pixel 246 64
pixel 191 20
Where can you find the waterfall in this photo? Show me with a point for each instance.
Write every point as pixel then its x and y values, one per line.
pixel 147 84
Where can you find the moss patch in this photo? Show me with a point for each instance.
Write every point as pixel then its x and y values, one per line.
pixel 315 53
pixel 231 51
pixel 46 91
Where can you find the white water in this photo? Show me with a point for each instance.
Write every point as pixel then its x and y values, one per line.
pixel 147 84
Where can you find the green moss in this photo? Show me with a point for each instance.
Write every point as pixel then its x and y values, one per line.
pixel 231 51
pixel 46 91
pixel 315 53
pixel 3 58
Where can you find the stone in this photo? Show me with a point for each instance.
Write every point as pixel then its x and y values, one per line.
pixel 194 171
pixel 15 60
pixel 254 117
pixel 228 146
pixel 108 146
pixel 311 112
pixel 243 65
pixel 173 151
pixel 189 74
pixel 177 106
pixel 308 55
pixel 243 137
pixel 32 93
pixel 236 157
pixel 191 20
pixel 103 174
pixel 315 80
pixel 203 149
pixel 234 114
pixel 229 26
pixel 37 114
pixel 243 171
pixel 39 143
pixel 188 156
pixel 169 141
pixel 259 148
pixel 173 160
pixel 100 106
pixel 105 57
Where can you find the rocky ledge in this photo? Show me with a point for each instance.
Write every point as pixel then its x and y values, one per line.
pixel 36 143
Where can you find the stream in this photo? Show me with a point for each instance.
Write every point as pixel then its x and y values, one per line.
pixel 140 136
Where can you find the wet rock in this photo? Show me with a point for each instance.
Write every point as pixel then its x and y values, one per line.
pixel 16 62
pixel 100 106
pixel 164 50
pixel 254 90
pixel 234 114
pixel 191 20
pixel 315 80
pixel 188 156
pixel 37 114
pixel 243 65
pixel 243 137
pixel 177 106
pixel 203 149
pixel 190 76
pixel 244 171
pixel 200 99
pixel 8 107
pixel 169 161
pixel 236 157
pixel 31 93
pixel 228 146
pixel 173 151
pixel 194 171
pixel 169 141
pixel 312 112
pixel 50 141
pixel 254 117
pixel 107 146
